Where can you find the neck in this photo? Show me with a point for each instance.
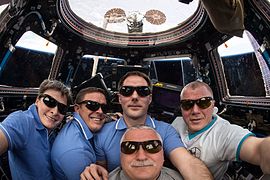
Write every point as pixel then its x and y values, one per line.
pixel 134 121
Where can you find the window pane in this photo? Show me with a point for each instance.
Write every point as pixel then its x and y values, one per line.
pixel 180 71
pixel 26 67
pixel 84 70
pixel 243 75
pixel 245 69
pixel 87 68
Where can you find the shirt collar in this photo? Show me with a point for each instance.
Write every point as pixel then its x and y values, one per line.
pixel 85 129
pixel 34 111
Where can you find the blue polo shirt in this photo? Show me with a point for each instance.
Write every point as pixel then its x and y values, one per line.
pixel 72 150
pixel 29 145
pixel 107 141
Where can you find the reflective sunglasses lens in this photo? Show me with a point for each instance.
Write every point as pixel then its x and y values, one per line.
pixel 204 102
pixel 126 90
pixel 52 103
pixel 153 146
pixel 129 147
pixel 49 101
pixel 187 104
pixel 104 108
pixel 62 108
pixel 92 106
pixel 143 91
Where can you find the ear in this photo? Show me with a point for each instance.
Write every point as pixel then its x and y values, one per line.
pixel 213 103
pixel 150 98
pixel 37 100
pixel 76 107
pixel 119 98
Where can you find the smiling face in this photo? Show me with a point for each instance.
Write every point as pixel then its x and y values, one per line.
pixel 197 118
pixel 135 107
pixel 142 165
pixel 93 119
pixel 50 117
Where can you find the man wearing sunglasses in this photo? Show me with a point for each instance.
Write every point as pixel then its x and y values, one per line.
pixel 72 150
pixel 135 96
pixel 212 139
pixel 142 156
pixel 28 135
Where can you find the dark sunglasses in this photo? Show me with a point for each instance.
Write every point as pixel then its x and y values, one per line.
pixel 94 106
pixel 52 103
pixel 151 146
pixel 203 103
pixel 142 91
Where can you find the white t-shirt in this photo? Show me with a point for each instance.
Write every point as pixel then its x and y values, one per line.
pixel 216 144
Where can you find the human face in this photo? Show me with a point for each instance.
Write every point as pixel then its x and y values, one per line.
pixel 93 119
pixel 197 118
pixel 135 107
pixel 141 164
pixel 50 117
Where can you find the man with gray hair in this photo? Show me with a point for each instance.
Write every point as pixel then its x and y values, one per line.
pixel 142 156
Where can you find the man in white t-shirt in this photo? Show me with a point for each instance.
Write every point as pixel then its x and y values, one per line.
pixel 214 140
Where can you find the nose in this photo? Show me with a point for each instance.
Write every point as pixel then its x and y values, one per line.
pixel 196 108
pixel 134 94
pixel 55 110
pixel 140 154
pixel 99 110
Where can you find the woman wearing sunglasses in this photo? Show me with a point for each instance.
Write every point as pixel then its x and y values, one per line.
pixel 135 96
pixel 213 139
pixel 142 156
pixel 73 150
pixel 28 135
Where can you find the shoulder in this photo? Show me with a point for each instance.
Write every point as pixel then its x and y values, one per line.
pixel 228 133
pixel 68 131
pixel 106 135
pixel 115 174
pixel 226 126
pixel 70 137
pixel 167 173
pixel 107 128
pixel 164 128
pixel 110 125
pixel 19 120
pixel 162 124
pixel 19 116
pixel 179 123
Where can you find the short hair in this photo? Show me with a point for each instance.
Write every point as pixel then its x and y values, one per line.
pixel 141 127
pixel 87 90
pixel 55 85
pixel 135 73
pixel 197 84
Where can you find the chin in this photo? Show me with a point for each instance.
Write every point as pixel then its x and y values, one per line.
pixel 49 126
pixel 95 129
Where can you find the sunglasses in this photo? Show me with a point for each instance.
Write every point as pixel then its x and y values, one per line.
pixel 142 91
pixel 94 106
pixel 52 103
pixel 151 146
pixel 203 103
